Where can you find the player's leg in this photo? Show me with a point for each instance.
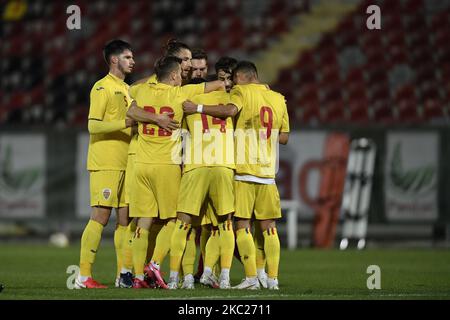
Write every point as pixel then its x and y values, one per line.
pixel 222 197
pixel 178 245
pixel 193 189
pixel 190 254
pixel 188 260
pixel 139 248
pixel 204 236
pixel 245 200
pixel 104 189
pixel 90 241
pixel 212 257
pixel 267 210
pixel 123 239
pixel 162 243
pixel 212 247
pixel 155 229
pixel 143 207
pixel 120 245
pixel 127 252
pixel 260 255
pixel 166 185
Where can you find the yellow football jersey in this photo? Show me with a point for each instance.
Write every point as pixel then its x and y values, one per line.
pixel 109 102
pixel 210 141
pixel 262 116
pixel 133 89
pixel 156 145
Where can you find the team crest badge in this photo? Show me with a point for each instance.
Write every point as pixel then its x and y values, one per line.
pixel 106 193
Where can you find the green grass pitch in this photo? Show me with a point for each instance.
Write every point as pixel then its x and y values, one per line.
pixel 39 272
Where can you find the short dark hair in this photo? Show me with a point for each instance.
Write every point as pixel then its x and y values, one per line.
pixel 165 65
pixel 115 47
pixel 199 54
pixel 226 64
pixel 246 67
pixel 173 47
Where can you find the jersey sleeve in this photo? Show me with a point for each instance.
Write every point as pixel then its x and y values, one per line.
pixel 133 90
pixel 191 90
pixel 99 100
pixel 237 97
pixel 285 122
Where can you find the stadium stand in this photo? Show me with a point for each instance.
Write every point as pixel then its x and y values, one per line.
pixel 397 75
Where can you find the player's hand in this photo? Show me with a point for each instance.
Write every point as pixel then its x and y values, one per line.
pixel 130 122
pixel 167 123
pixel 189 107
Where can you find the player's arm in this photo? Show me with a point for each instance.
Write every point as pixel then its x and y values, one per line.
pixel 217 111
pixel 283 137
pixel 96 124
pixel 285 128
pixel 161 120
pixel 214 85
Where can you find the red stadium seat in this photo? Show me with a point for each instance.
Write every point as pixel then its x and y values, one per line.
pixel 383 113
pixel 413 6
pixel 407 111
pixel 392 22
pixel 358 111
pixel 334 111
pixel 310 112
pixel 433 109
pixel 309 92
pixel 355 75
pixel 379 93
pixel 357 91
pixel 406 92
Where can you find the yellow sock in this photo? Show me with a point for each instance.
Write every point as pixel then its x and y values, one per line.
pixel 139 247
pixel 272 250
pixel 244 241
pixel 204 236
pixel 259 246
pixel 90 241
pixel 212 251
pixel 163 240
pixel 178 244
pixel 152 235
pixel 226 236
pixel 127 246
pixel 119 236
pixel 190 253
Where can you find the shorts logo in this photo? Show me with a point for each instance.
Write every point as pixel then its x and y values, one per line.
pixel 106 193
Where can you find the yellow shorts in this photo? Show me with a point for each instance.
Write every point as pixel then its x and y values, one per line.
pixel 200 183
pixel 129 176
pixel 261 199
pixel 154 192
pixel 107 188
